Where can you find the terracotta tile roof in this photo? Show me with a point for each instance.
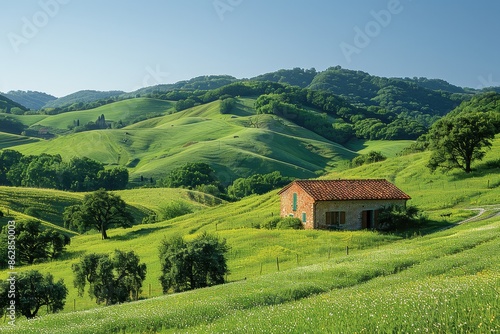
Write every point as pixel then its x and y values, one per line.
pixel 345 190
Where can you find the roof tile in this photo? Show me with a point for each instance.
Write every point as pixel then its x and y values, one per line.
pixel 344 190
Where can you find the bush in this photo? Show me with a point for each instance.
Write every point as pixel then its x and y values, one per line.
pixel 271 223
pixel 290 223
pixel 395 217
pixel 371 157
pixel 175 209
pixel 287 223
pixel 33 212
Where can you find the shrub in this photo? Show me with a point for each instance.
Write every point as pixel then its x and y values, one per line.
pixel 33 212
pixel 271 223
pixel 395 217
pixel 290 223
pixel 175 209
pixel 280 223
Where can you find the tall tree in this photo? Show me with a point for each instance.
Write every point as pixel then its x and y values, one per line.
pixel 100 210
pixel 34 290
pixel 457 141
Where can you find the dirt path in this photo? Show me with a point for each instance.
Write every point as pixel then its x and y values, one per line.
pixel 494 209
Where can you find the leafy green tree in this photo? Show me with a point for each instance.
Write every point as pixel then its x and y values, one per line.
pixel 111 280
pixel 33 291
pixel 257 184
pixel 190 176
pixel 100 210
pixel 113 179
pixel 80 174
pixel 8 158
pixel 226 105
pixel 457 141
pixel 33 243
pixel 370 157
pixel 191 265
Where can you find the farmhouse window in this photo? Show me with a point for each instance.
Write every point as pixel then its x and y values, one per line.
pixel 304 217
pixel 335 218
pixel 294 205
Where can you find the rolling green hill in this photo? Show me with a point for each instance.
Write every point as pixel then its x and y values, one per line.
pixel 235 145
pixel 443 278
pixel 126 111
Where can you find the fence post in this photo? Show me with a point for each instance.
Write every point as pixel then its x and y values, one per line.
pixel 346 250
pixel 278 263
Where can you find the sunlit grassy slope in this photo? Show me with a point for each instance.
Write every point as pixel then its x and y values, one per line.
pixel 235 145
pixel 440 282
pixel 125 111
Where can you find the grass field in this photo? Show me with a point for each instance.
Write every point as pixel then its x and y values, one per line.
pixel 303 281
pixel 389 148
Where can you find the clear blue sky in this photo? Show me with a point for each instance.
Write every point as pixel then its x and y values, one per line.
pixel 62 46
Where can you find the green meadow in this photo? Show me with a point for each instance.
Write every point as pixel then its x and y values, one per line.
pixel 439 278
pixel 442 278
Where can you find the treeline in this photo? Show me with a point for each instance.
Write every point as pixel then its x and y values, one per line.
pixel 50 171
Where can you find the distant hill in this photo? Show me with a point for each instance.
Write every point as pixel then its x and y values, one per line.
pixel 436 84
pixel 391 94
pixel 30 99
pixel 8 106
pixel 295 77
pixel 206 82
pixel 83 96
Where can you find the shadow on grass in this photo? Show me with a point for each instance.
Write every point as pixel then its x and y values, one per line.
pixel 431 226
pixel 138 233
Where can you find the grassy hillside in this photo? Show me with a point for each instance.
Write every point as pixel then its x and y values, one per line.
pixel 437 283
pixel 235 145
pixel 126 111
pixel 48 205
pixel 409 278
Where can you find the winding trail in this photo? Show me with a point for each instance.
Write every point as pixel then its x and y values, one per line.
pixel 494 209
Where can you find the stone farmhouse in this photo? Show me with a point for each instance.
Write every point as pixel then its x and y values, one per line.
pixel 339 204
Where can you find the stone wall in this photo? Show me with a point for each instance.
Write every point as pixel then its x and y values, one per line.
pixel 353 210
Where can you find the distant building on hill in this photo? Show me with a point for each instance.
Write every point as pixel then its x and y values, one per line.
pixel 339 204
